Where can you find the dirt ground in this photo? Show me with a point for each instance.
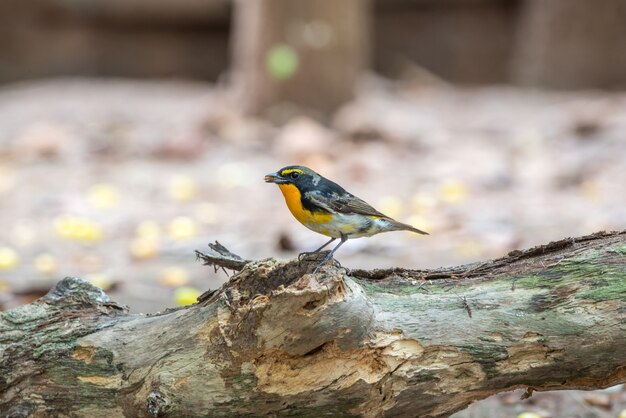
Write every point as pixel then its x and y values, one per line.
pixel 120 181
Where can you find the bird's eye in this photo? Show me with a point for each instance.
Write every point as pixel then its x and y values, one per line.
pixel 295 175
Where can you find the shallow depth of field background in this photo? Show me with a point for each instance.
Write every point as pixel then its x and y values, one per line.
pixel 134 132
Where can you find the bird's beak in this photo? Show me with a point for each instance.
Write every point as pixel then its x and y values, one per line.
pixel 274 178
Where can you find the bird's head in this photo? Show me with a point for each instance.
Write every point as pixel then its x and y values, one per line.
pixel 294 174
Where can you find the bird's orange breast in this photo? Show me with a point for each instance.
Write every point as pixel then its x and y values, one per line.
pixel 294 203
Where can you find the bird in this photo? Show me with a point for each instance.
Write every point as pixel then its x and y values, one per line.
pixel 327 208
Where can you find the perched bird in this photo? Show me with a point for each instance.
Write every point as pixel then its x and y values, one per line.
pixel 325 207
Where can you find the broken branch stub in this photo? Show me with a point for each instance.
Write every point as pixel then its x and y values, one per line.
pixel 219 256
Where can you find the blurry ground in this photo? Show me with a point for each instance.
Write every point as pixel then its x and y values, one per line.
pixel 119 182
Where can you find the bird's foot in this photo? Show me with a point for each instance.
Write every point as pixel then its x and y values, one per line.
pixel 306 255
pixel 312 255
pixel 317 266
pixel 325 260
pixel 315 256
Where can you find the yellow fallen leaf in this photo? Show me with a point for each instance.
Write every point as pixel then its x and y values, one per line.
pixel 103 196
pixel 64 225
pixel 174 277
pixel 182 188
pixel 622 414
pixel 182 227
pixel 144 248
pixel 148 230
pixel 88 231
pixel 529 415
pixel 186 295
pixel 45 264
pixel 453 191
pixel 77 228
pixel 8 258
pixel 100 280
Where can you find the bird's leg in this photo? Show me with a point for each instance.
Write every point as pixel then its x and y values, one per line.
pixel 344 238
pixel 316 251
pixel 325 245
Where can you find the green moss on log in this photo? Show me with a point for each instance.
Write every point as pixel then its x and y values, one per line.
pixel 487 355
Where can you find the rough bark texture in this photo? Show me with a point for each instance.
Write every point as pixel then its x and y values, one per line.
pixel 278 341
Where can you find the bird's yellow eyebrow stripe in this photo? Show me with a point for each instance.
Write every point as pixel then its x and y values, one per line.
pixel 291 170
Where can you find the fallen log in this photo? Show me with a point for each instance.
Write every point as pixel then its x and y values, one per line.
pixel 277 340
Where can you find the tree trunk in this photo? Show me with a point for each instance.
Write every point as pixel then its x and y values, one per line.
pixel 278 341
pixel 298 53
pixel 571 44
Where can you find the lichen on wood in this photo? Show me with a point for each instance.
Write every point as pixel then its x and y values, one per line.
pixel 279 340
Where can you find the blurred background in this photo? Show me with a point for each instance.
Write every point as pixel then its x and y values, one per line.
pixel 133 132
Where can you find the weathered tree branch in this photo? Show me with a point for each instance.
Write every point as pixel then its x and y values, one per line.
pixel 276 340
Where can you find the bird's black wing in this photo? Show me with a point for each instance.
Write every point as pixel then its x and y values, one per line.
pixel 332 197
pixel 342 203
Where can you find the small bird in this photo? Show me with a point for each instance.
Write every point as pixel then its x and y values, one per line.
pixel 327 208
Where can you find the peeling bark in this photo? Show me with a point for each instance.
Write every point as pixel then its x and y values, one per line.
pixel 276 340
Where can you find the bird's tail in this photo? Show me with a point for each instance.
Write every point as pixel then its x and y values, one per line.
pixel 399 226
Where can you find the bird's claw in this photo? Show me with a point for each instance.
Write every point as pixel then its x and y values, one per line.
pixel 314 256
pixel 305 254
pixel 311 255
